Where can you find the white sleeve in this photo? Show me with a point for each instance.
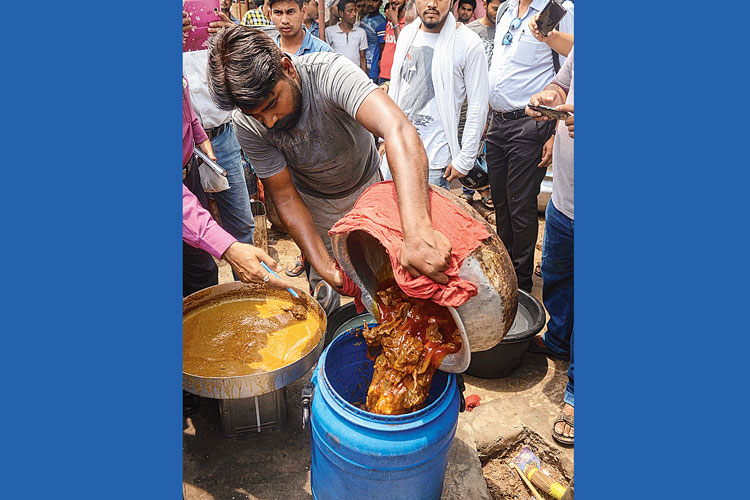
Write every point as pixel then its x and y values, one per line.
pixel 363 40
pixel 478 95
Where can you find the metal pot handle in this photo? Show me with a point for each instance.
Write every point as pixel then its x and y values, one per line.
pixel 330 294
pixel 308 390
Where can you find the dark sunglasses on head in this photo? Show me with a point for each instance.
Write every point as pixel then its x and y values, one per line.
pixel 514 24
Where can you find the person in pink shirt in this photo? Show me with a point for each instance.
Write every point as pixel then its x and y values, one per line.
pixel 202 236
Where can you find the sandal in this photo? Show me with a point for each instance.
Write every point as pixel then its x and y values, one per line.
pixel 538 269
pixel 537 346
pixel 487 201
pixel 468 198
pixel 296 268
pixel 567 419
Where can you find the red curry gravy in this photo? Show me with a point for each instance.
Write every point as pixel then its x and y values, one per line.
pixel 415 336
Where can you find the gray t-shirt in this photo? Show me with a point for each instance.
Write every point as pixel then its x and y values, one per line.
pixel 487 34
pixel 562 151
pixel 329 154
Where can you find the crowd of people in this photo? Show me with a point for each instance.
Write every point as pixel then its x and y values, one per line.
pixel 417 91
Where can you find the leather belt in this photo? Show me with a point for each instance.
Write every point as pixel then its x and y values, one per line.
pixel 216 131
pixel 511 115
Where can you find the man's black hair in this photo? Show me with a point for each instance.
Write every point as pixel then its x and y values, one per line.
pixel 298 2
pixel 343 3
pixel 473 3
pixel 244 66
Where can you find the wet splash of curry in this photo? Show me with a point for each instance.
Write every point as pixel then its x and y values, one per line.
pixel 415 336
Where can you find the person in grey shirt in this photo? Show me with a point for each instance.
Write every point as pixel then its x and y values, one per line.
pixel 307 125
pixel 485 27
pixel 557 249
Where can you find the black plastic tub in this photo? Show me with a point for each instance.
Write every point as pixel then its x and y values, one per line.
pixel 344 318
pixel 505 357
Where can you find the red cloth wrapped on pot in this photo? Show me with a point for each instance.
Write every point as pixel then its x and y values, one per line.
pixel 376 213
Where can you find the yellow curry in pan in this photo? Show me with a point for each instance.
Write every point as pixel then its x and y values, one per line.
pixel 246 336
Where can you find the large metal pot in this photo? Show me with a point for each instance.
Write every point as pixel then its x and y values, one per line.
pixel 246 386
pixel 485 318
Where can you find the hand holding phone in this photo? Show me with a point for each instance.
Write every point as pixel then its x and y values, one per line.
pixel 201 13
pixel 549 112
pixel 550 16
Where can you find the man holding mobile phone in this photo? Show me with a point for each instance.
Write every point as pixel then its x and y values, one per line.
pixel 557 250
pixel 517 145
pixel 559 42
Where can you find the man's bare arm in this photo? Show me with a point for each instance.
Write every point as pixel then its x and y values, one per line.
pixel 425 250
pixel 296 218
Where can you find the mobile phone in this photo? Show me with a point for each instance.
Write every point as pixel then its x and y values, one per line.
pixel 201 13
pixel 549 112
pixel 550 16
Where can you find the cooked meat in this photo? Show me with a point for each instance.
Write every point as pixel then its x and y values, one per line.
pixel 297 311
pixel 414 335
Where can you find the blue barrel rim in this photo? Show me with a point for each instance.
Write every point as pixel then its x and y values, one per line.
pixel 406 418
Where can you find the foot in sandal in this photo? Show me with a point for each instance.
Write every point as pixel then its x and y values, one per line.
pixel 296 267
pixel 562 430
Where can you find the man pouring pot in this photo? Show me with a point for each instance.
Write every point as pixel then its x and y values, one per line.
pixel 307 124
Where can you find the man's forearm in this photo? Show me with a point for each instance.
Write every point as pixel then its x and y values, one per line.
pixel 404 152
pixel 298 221
pixel 560 42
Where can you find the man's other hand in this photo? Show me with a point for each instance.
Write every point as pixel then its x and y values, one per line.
pixel 549 98
pixel 206 147
pixel 547 152
pixel 333 277
pixel 215 26
pixel 568 120
pixel 187 23
pixel 452 173
pixel 428 253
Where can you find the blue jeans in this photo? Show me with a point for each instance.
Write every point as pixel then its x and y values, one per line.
pixel 233 203
pixel 436 177
pixel 557 287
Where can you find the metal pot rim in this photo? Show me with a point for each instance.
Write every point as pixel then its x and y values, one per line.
pixel 269 378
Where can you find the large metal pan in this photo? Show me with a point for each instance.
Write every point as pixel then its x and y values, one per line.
pixel 245 386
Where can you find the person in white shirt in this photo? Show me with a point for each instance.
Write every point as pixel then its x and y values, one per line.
pixel 517 146
pixel 347 39
pixel 438 65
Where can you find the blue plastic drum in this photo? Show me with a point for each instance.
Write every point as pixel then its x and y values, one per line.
pixel 357 454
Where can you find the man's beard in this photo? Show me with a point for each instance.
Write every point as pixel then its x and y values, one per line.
pixel 432 26
pixel 292 118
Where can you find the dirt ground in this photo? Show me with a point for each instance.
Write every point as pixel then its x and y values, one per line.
pixel 514 411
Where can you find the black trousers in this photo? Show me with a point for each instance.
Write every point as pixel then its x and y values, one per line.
pixel 514 149
pixel 199 270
